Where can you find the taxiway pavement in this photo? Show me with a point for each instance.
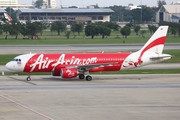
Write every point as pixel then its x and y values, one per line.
pixel 22 49
pixel 106 97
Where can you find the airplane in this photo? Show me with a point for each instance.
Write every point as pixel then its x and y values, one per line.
pixel 9 19
pixel 72 65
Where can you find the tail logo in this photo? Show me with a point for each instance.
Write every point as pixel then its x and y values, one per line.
pixel 135 64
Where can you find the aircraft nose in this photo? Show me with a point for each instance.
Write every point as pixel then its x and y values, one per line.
pixel 13 66
pixel 9 65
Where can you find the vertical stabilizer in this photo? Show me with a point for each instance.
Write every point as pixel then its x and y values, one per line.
pixel 8 17
pixel 156 42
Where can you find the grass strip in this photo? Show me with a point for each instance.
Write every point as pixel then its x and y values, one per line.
pixel 49 38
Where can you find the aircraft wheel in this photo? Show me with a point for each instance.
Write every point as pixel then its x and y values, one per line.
pixel 88 78
pixel 81 76
pixel 28 78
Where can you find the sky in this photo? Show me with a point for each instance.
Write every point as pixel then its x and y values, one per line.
pixel 101 3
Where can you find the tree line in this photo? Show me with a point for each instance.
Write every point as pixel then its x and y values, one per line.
pixel 144 14
pixel 174 29
pixel 31 30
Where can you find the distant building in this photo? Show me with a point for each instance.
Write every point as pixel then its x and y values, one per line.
pixel 175 3
pixel 8 2
pixel 13 4
pixel 168 13
pixel 131 7
pixel 67 15
pixel 2 11
pixel 50 3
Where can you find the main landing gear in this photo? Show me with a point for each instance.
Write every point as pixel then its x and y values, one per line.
pixel 29 77
pixel 88 78
pixel 82 76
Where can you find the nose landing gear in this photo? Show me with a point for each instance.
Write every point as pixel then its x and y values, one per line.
pixel 29 77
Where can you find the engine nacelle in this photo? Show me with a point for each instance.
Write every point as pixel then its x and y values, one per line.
pixel 69 72
pixel 56 73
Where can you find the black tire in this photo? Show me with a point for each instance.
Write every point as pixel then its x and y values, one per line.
pixel 28 78
pixel 81 76
pixel 88 78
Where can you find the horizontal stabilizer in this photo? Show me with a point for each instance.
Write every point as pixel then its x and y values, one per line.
pixel 160 57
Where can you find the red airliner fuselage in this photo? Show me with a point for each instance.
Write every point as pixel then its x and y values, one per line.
pixel 71 65
pixel 55 62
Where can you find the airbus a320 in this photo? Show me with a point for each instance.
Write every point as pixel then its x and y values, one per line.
pixel 72 65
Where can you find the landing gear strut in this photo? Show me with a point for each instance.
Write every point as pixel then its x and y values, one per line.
pixel 88 77
pixel 29 77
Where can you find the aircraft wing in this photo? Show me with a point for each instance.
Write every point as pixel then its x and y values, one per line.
pixel 88 67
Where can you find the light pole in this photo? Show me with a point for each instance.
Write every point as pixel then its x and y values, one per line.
pixel 141 11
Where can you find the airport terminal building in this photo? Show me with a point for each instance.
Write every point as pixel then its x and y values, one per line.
pixel 67 15
pixel 2 11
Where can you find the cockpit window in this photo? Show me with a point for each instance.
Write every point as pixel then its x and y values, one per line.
pixel 17 60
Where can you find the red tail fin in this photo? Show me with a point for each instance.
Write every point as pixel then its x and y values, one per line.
pixel 8 17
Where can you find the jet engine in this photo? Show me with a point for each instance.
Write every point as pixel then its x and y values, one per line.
pixel 69 72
